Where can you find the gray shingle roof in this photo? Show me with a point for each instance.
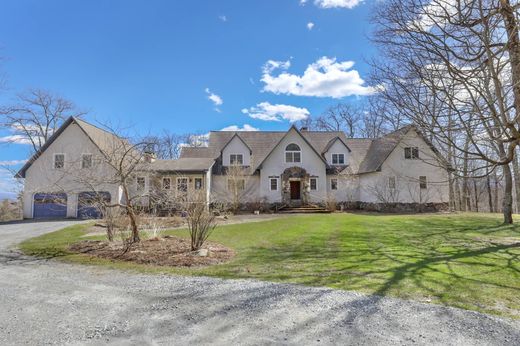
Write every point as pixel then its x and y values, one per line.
pixel 182 165
pixel 260 142
pixel 366 155
pixel 379 150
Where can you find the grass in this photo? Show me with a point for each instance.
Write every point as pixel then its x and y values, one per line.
pixel 469 261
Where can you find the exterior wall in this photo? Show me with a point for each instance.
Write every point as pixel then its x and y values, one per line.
pixel 348 188
pixel 275 165
pixel 374 186
pixel 41 177
pixel 337 148
pixel 236 146
pixel 220 192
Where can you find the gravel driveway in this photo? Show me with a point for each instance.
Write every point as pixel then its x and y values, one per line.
pixel 47 302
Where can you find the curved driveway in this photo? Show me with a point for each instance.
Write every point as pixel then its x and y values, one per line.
pixel 47 302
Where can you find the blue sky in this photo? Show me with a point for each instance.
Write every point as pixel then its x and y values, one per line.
pixel 188 66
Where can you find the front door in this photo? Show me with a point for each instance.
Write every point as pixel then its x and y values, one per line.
pixel 295 189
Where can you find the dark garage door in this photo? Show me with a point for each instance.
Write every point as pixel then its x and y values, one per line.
pixel 50 205
pixel 88 204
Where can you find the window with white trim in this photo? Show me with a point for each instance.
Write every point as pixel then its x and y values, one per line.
pixel 423 184
pixel 59 161
pixel 182 185
pixel 293 153
pixel 333 184
pixel 167 183
pixel 236 159
pixel 273 184
pixel 338 159
pixel 198 183
pixel 86 161
pixel 313 184
pixel 141 183
pixel 411 153
pixel 391 182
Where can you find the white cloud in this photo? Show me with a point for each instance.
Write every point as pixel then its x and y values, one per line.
pixel 324 78
pixel 12 162
pixel 17 139
pixel 217 100
pixel 310 25
pixel 303 2
pixel 223 18
pixel 268 112
pixel 337 3
pixel 246 127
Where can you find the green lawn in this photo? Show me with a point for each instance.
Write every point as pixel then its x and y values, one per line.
pixel 469 261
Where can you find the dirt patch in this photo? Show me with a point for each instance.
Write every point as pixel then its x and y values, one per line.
pixel 168 251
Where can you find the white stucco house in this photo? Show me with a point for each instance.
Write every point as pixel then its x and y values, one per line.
pixel 293 167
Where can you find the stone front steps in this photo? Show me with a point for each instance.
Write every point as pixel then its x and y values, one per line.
pixel 309 209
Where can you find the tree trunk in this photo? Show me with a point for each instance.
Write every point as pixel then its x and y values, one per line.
pixel 131 215
pixel 507 202
pixel 475 191
pixel 451 192
pixel 496 192
pixel 459 195
pixel 490 194
pixel 516 175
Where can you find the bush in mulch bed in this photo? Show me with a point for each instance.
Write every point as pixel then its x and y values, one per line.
pixel 167 251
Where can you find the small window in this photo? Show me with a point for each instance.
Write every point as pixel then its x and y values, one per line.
pixel 141 183
pixel 274 184
pixel 86 161
pixel 334 184
pixel 338 159
pixel 391 182
pixel 422 182
pixel 239 184
pixel 198 183
pixel 293 153
pixel 314 184
pixel 182 184
pixel 236 159
pixel 411 153
pixel 59 161
pixel 166 183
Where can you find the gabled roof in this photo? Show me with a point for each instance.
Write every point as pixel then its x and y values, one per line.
pixel 102 139
pixel 261 143
pixel 237 136
pixel 332 141
pixel 381 148
pixel 285 135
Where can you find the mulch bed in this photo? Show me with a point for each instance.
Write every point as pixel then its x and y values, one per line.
pixel 168 251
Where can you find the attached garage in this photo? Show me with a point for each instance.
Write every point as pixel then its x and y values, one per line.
pixel 88 204
pixel 50 205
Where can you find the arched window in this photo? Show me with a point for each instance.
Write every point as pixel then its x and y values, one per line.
pixel 293 153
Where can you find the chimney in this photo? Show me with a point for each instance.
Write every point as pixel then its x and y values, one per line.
pixel 304 128
pixel 149 157
pixel 149 154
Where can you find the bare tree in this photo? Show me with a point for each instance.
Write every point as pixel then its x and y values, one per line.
pixel 201 221
pixel 453 68
pixel 237 184
pixel 35 116
pixel 341 117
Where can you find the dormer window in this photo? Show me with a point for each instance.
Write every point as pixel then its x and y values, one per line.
pixel 293 153
pixel 236 159
pixel 338 159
